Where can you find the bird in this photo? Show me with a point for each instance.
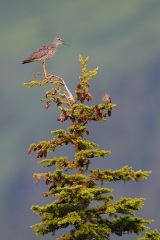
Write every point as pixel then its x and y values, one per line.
pixel 107 99
pixel 44 53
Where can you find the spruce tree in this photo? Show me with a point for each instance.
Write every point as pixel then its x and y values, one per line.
pixel 83 198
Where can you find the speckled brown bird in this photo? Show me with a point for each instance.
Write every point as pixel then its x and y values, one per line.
pixel 44 53
pixel 107 99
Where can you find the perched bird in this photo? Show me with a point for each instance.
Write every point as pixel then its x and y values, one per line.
pixel 45 53
pixel 107 99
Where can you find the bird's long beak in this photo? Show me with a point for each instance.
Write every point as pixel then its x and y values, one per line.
pixel 65 44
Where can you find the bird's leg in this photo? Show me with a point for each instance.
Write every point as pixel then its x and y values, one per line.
pixel 43 66
pixel 47 76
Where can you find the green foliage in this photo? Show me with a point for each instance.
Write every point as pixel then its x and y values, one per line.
pixel 152 235
pixel 82 199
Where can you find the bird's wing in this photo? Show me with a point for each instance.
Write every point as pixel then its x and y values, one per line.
pixel 39 53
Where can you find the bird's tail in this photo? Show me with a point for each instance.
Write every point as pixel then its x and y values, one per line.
pixel 26 61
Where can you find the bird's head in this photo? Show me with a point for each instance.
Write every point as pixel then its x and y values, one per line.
pixel 58 41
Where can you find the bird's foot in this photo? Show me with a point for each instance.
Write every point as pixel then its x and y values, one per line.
pixel 48 76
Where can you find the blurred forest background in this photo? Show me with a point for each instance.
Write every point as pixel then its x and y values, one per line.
pixel 122 38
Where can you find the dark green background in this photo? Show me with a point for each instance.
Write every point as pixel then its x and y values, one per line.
pixel 122 37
